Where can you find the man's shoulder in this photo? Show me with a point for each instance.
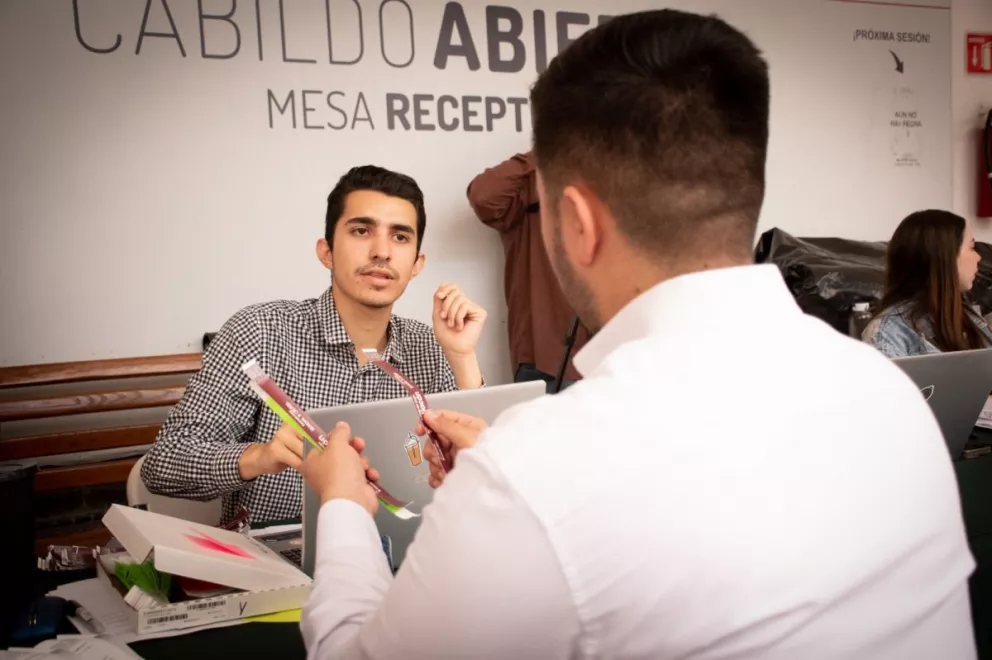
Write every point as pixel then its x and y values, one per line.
pixel 557 453
pixel 261 322
pixel 542 430
pixel 273 311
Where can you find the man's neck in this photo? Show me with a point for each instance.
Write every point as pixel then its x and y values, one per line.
pixel 642 275
pixel 367 326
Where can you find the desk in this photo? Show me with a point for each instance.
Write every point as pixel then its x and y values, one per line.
pixel 249 640
pixel 283 640
pixel 244 642
pixel 974 478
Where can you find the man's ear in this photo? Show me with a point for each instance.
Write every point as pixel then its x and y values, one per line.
pixel 581 232
pixel 418 265
pixel 324 254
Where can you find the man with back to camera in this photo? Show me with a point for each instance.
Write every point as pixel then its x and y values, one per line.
pixel 730 479
pixel 220 440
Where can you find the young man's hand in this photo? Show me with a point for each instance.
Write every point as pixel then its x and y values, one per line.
pixel 458 321
pixel 283 450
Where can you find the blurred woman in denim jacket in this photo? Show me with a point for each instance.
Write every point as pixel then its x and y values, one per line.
pixel 931 266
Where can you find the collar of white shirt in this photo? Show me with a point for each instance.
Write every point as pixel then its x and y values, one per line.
pixel 717 299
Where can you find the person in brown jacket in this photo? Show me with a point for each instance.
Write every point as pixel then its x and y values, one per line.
pixel 504 197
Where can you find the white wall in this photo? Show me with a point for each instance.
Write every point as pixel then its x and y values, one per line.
pixel 146 197
pixel 972 96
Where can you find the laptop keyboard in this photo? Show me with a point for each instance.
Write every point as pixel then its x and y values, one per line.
pixel 293 555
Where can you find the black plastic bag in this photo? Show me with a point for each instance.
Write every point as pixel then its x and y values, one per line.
pixel 828 276
pixel 981 290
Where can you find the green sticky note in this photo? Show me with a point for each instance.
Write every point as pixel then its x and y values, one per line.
pixel 289 616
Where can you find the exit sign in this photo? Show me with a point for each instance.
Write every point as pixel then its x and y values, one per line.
pixel 979 53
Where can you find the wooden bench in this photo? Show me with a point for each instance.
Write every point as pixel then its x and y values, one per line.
pixel 86 424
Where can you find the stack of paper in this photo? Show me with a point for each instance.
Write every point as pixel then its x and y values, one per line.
pixel 113 621
pixel 985 419
pixel 80 647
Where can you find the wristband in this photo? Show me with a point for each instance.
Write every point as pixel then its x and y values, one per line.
pixel 419 402
pixel 287 410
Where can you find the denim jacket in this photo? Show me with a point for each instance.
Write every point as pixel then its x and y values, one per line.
pixel 893 333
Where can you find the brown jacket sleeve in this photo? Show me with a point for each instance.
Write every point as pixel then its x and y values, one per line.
pixel 499 195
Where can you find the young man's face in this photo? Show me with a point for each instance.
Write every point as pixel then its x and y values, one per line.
pixel 375 252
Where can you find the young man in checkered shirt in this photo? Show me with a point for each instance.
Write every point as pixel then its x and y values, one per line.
pixel 221 441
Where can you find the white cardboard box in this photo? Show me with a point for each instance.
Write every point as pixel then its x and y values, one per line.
pixel 266 582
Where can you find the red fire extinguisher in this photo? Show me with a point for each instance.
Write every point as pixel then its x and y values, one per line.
pixel 985 170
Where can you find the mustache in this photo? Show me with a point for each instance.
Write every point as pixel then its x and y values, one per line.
pixel 379 267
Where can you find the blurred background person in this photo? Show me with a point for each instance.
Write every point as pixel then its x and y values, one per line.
pixel 504 197
pixel 930 268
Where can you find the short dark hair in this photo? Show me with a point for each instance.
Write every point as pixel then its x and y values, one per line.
pixel 664 114
pixel 378 179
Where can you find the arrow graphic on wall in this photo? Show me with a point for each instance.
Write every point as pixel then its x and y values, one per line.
pixel 899 63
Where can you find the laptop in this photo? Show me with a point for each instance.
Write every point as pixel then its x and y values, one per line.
pixel 956 385
pixel 385 426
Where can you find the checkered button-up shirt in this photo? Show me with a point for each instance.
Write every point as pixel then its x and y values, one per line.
pixel 304 347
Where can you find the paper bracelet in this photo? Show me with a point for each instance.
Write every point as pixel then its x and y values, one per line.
pixel 419 401
pixel 291 413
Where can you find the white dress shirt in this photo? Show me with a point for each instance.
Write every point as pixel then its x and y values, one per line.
pixel 731 479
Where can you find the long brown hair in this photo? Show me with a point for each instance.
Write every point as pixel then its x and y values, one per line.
pixel 922 271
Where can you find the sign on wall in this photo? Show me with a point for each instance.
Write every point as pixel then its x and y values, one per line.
pixel 979 53
pixel 157 150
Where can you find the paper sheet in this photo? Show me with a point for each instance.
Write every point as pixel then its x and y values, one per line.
pixel 985 419
pixel 109 610
pixel 82 647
